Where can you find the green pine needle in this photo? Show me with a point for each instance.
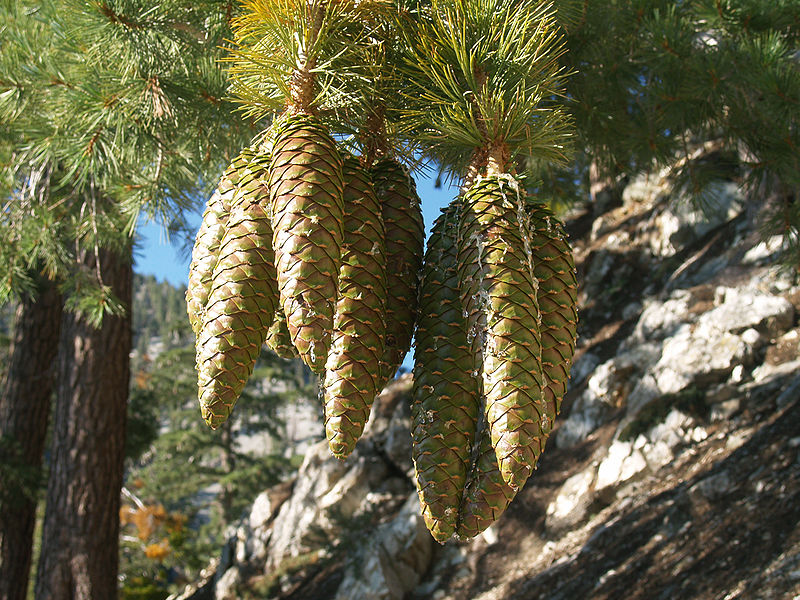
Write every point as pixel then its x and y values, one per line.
pixel 485 72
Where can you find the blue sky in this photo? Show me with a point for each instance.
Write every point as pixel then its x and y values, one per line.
pixel 156 255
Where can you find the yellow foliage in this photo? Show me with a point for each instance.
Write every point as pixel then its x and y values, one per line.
pixel 175 523
pixel 158 551
pixel 147 519
pixel 126 514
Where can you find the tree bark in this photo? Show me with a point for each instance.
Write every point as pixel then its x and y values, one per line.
pixel 79 558
pixel 24 412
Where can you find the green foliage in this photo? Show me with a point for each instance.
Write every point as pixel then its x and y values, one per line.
pixel 21 481
pixel 109 110
pixel 142 426
pixel 485 72
pixel 655 79
pixel 275 38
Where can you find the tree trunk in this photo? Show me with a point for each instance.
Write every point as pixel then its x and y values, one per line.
pixel 24 412
pixel 79 558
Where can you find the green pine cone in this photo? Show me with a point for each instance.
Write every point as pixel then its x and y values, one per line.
pixel 446 393
pixel 279 340
pixel 499 296
pixel 209 236
pixel 486 495
pixel 352 371
pixel 242 301
pixel 305 183
pixel 405 241
pixel 554 268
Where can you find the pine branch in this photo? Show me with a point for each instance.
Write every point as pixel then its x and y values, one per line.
pixel 483 74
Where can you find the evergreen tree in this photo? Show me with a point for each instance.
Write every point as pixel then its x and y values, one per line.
pixel 110 110
pixel 714 83
pixel 24 408
pixel 81 525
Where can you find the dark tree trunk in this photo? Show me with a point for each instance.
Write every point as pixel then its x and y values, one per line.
pixel 24 410
pixel 79 558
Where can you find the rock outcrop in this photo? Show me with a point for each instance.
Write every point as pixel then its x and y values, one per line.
pixel 674 470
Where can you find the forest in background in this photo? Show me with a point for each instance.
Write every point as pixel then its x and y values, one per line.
pixel 186 483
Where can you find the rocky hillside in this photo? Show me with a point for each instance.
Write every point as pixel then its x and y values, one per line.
pixel 673 471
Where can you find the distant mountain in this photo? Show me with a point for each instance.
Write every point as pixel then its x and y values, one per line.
pixel 159 315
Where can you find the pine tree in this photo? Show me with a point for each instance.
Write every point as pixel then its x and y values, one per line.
pixel 708 88
pixel 112 109
pixel 88 447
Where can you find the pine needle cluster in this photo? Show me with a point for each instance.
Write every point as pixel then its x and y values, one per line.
pixel 108 110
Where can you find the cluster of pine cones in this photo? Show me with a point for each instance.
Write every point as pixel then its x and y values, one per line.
pixel 304 248
pixel 494 344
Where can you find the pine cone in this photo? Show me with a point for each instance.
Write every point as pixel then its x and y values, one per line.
pixel 242 301
pixel 209 236
pixel 405 240
pixel 486 495
pixel 305 185
pixel 352 372
pixel 446 392
pixel 554 268
pixel 499 296
pixel 278 338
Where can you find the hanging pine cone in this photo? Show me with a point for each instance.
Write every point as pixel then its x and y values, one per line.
pixel 209 236
pixel 499 296
pixel 242 301
pixel 554 268
pixel 352 372
pixel 305 184
pixel 446 392
pixel 405 240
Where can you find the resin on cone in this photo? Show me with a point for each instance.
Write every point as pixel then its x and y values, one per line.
pixel 499 297
pixel 554 269
pixel 486 495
